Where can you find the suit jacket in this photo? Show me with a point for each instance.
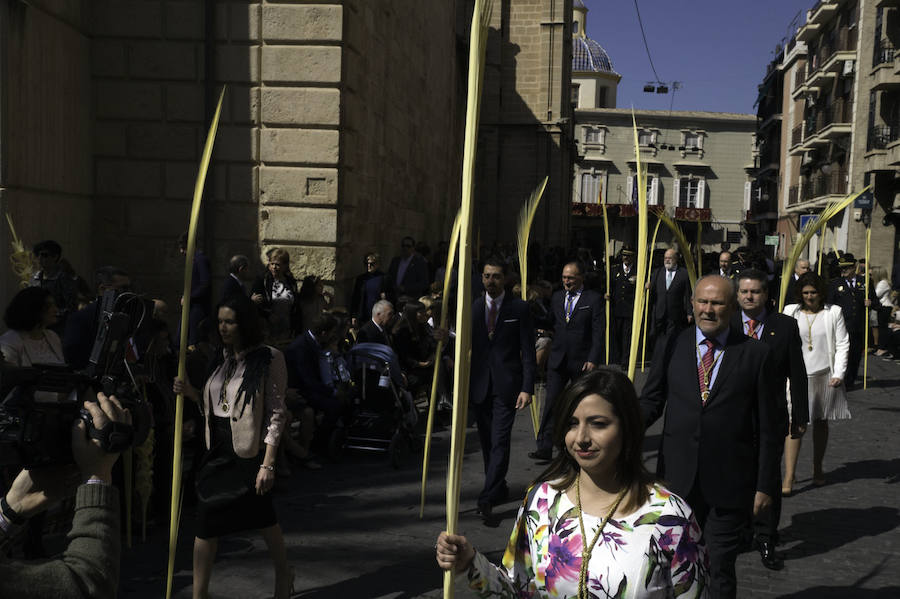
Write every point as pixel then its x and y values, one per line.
pixel 369 333
pixel 672 304
pixel 415 280
pixel 232 287
pixel 581 339
pixel 505 364
pixel 304 372
pixel 81 330
pixel 782 335
pixel 731 446
pixel 852 301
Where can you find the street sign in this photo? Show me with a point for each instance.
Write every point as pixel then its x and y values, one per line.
pixel 865 201
pixel 805 219
pixel 771 240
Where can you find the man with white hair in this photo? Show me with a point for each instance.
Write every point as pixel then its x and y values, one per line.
pixel 377 330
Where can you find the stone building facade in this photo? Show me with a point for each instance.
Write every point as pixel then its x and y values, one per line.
pixel 840 118
pixel 698 163
pixel 341 130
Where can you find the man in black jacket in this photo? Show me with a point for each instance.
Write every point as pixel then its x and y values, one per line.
pixel 238 272
pixel 377 330
pixel 758 321
pixel 721 439
pixel 622 298
pixel 577 347
pixel 501 376
pixel 849 292
pixel 670 296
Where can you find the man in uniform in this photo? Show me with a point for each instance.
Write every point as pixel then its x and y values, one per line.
pixel 622 298
pixel 849 292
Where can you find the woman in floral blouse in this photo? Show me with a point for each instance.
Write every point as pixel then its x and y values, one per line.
pixel 643 540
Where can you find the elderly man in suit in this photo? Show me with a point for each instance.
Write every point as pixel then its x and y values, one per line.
pixel 670 294
pixel 502 376
pixel 238 272
pixel 577 347
pixel 721 437
pixel 377 330
pixel 757 320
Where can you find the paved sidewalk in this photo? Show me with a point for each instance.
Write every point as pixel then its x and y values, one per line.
pixel 352 529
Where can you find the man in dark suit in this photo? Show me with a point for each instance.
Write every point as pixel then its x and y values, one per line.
pixel 501 380
pixel 758 321
pixel 721 439
pixel 670 295
pixel 408 272
pixel 622 298
pixel 790 296
pixel 725 265
pixel 849 292
pixel 577 347
pixel 238 272
pixel 377 330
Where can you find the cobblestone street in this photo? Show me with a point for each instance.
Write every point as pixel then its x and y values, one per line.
pixel 352 529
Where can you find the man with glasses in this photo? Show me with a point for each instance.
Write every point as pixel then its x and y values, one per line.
pixel 368 288
pixel 578 337
pixel 408 272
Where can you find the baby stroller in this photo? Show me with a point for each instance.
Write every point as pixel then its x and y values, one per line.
pixel 384 415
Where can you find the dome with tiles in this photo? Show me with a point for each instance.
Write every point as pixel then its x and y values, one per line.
pixel 589 57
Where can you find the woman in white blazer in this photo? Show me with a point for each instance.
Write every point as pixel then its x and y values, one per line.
pixel 826 346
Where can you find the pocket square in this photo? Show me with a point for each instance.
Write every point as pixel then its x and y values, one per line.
pixel 584 308
pixel 512 320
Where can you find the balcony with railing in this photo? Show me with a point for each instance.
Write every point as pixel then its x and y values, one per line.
pixel 799 82
pixel 793 195
pixel 829 122
pixel 796 140
pixel 881 136
pixel 883 75
pixel 821 185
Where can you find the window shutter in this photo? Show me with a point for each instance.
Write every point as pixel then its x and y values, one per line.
pixel 654 190
pixel 629 186
pixel 748 188
pixel 701 193
pixel 675 197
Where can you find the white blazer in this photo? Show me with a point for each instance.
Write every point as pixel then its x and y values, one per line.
pixel 836 332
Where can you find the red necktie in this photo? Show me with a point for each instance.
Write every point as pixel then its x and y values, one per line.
pixel 704 371
pixel 751 328
pixel 492 318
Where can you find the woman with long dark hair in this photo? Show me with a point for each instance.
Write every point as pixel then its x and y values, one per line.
pixel 242 402
pixel 595 522
pixel 826 350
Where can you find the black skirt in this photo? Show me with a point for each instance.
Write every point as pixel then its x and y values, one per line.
pixel 226 488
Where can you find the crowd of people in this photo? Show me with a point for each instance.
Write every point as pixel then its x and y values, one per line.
pixel 268 384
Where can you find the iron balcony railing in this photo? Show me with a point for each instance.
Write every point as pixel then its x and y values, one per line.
pixel 838 112
pixel 880 136
pixel 793 195
pixel 796 135
pixel 834 183
pixel 884 53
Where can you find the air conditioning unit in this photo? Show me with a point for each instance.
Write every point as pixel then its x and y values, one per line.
pixel 848 67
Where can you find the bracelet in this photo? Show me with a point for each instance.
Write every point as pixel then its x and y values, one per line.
pixel 269 468
pixel 9 513
pixel 96 481
pixel 8 528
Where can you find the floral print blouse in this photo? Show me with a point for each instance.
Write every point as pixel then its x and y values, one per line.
pixel 654 552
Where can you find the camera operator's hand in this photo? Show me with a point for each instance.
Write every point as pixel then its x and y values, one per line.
pixel 92 461
pixel 35 490
pixel 186 389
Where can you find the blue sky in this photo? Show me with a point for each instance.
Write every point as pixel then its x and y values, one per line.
pixel 718 49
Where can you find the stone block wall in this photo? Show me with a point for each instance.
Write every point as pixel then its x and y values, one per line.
pixel 403 113
pixel 526 121
pixel 45 178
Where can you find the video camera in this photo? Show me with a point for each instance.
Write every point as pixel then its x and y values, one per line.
pixel 35 432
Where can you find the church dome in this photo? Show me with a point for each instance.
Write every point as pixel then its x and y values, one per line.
pixel 589 57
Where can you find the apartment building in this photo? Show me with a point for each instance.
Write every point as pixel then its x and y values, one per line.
pixel 840 95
